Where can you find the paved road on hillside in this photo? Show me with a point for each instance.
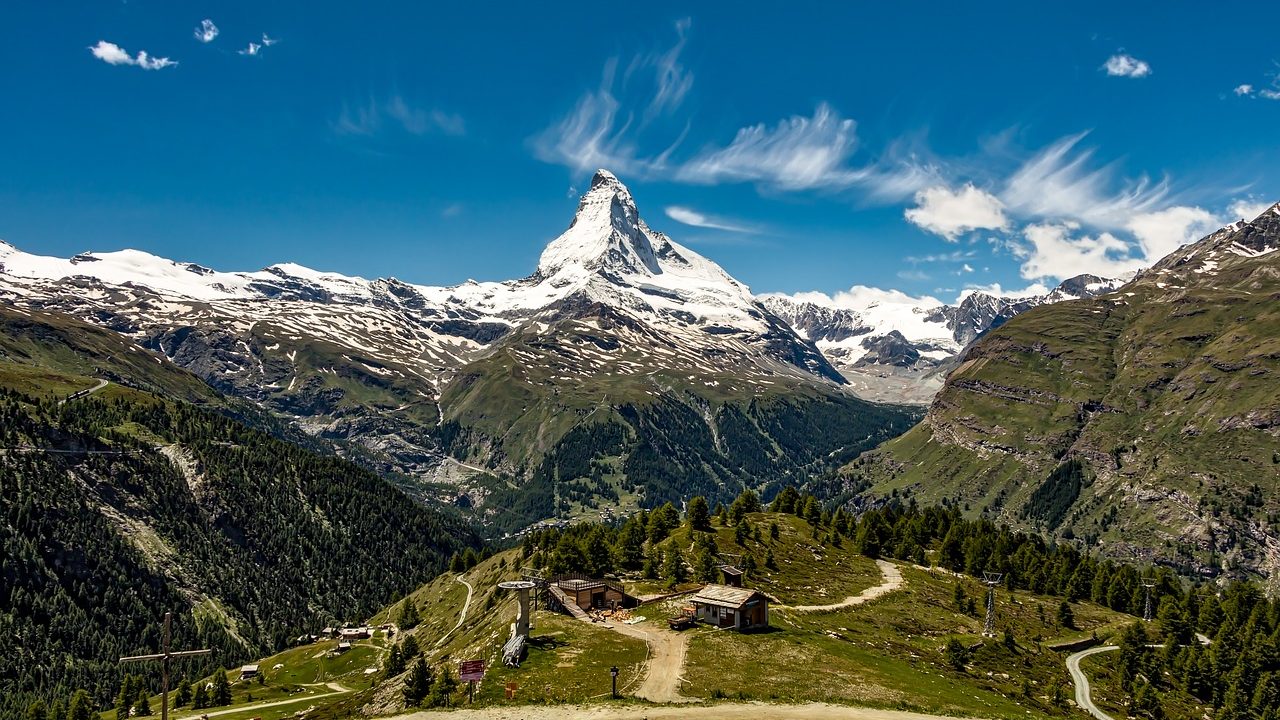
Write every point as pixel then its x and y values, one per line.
pixel 723 711
pixel 81 393
pixel 1084 698
pixel 892 581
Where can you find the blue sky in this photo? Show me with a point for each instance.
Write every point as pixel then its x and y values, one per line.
pixel 926 147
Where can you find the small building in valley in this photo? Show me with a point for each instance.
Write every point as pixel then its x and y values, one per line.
pixel 737 608
pixel 593 594
pixel 355 633
pixel 248 672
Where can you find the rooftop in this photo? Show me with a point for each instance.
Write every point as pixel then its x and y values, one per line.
pixel 724 595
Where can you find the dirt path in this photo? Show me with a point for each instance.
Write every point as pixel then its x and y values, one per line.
pixel 462 617
pixel 1084 698
pixel 664 669
pixel 724 711
pixel 892 581
pixel 334 687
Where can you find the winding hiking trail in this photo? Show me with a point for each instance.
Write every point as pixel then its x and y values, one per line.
pixel 893 580
pixel 1084 697
pixel 462 617
pixel 719 711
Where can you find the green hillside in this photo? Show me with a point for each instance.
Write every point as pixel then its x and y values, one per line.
pixel 1142 422
pixel 131 501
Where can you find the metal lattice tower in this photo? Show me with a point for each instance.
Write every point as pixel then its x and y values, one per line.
pixel 991 579
pixel 1147 584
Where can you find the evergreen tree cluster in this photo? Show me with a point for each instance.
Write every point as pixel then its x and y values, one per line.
pixel 253 516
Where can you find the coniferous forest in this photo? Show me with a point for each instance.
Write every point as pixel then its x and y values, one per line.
pixel 153 506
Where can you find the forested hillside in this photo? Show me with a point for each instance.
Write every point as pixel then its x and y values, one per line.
pixel 150 506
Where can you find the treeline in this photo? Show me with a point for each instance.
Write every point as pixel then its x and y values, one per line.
pixel 670 449
pixel 1237 671
pixel 246 539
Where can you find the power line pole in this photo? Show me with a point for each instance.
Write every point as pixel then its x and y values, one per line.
pixel 1148 584
pixel 164 657
pixel 991 580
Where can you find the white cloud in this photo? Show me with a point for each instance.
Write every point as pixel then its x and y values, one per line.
pixel 1163 231
pixel 996 290
pixel 1058 183
pixel 113 54
pixel 951 213
pixel 589 136
pixel 966 268
pixel 798 153
pixel 950 257
pixel 206 31
pixel 689 216
pixel 1052 251
pixel 673 81
pixel 372 116
pixel 1245 89
pixel 1247 209
pixel 254 49
pixel 1125 65
pixel 451 211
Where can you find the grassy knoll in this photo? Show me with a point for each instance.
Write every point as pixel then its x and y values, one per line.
pixel 889 653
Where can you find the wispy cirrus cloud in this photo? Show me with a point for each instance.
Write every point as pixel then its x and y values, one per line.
pixel 1124 65
pixel 376 115
pixel 693 218
pixel 206 31
pixel 598 132
pixel 113 54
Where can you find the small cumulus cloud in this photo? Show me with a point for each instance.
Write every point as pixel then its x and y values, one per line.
pixel 113 54
pixel 1125 65
pixel 996 290
pixel 1061 250
pixel 451 211
pixel 952 213
pixel 693 218
pixel 206 31
pixel 1244 89
pixel 254 49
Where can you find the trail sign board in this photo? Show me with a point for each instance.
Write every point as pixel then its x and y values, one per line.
pixel 471 670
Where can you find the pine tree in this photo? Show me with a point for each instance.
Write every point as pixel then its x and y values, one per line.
pixel 698 514
pixel 128 695
pixel 707 565
pixel 36 711
pixel 957 655
pixel 410 647
pixel 418 683
pixel 409 616
pixel 395 662
pixel 456 565
pixel 221 690
pixel 673 567
pixel 182 696
pixel 1066 618
pixel 769 562
pixel 142 706
pixel 81 707
pixel 443 688
pixel 200 698
pixel 773 531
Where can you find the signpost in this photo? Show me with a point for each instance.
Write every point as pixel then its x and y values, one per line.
pixel 164 656
pixel 511 690
pixel 471 672
pixel 614 672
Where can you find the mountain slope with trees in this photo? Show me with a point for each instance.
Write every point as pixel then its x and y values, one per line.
pixel 1145 421
pixel 121 505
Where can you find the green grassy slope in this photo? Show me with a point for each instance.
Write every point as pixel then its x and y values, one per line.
pixel 1165 395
